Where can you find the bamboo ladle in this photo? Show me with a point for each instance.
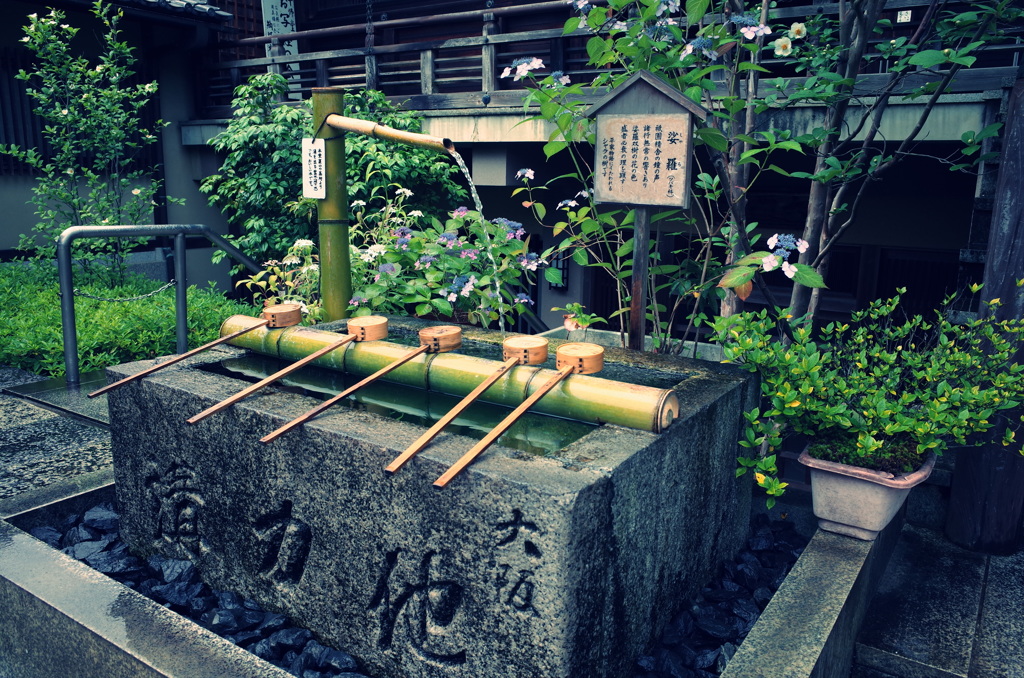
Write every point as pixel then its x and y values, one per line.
pixel 516 351
pixel 569 359
pixel 439 339
pixel 366 328
pixel 280 315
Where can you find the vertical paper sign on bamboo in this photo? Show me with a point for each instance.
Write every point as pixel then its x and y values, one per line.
pixel 643 159
pixel 314 173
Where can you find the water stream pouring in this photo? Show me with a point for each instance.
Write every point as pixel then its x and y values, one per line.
pixel 366 328
pixel 570 358
pixel 438 339
pixel 280 315
pixel 516 351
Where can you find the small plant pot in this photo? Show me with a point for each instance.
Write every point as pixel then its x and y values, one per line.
pixel 858 502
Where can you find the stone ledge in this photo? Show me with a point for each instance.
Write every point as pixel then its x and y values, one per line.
pixel 59 613
pixel 810 627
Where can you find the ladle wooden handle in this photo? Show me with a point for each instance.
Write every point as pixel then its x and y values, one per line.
pixel 327 403
pixel 439 426
pixel 246 392
pixel 496 432
pixel 176 359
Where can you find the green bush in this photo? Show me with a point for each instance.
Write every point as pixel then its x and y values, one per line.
pixel 108 333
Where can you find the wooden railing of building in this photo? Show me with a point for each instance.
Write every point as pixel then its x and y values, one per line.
pixel 407 60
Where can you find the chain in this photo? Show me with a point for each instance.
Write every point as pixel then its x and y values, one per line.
pixel 80 293
pixel 369 11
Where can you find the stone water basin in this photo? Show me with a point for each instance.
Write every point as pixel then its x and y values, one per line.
pixel 525 565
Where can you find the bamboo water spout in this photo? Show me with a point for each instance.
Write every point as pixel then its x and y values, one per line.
pixel 375 129
pixel 332 209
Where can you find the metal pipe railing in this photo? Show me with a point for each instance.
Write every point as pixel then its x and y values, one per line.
pixel 67 289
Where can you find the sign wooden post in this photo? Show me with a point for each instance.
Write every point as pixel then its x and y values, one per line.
pixel 642 159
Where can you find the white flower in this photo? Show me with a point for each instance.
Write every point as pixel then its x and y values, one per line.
pixel 770 263
pixel 452 297
pixel 63 111
pixel 801 245
pixel 136 191
pixel 504 74
pixel 25 39
pixel 789 269
pixel 415 213
pixel 303 242
pixel 773 241
pixel 797 31
pixel 291 260
pixel 783 46
pixel 99 68
pixel 358 203
pixel 404 191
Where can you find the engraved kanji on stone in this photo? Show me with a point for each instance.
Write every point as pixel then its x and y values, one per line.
pixel 285 542
pixel 428 604
pixel 179 507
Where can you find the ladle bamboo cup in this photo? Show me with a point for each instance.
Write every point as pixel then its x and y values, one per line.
pixel 438 339
pixel 569 359
pixel 280 315
pixel 366 328
pixel 516 351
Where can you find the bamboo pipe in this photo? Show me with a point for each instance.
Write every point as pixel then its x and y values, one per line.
pixel 517 351
pixel 177 359
pixel 374 129
pixel 582 358
pixel 246 392
pixel 367 328
pixel 584 398
pixel 332 210
pixel 435 339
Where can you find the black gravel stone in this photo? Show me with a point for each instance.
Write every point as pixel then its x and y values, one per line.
pixel 94 539
pixel 700 640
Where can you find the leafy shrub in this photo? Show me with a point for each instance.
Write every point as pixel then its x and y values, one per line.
pixel 108 333
pixel 259 185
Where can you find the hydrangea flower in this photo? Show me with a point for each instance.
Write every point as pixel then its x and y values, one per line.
pixel 702 45
pixel 403 192
pixel 386 268
pixel 460 211
pixel 522 67
pixel 303 242
pixel 424 262
pixel 372 252
pixel 530 261
pixel 513 229
pixel 448 240
pixel 402 232
pixel 769 263
pixel 356 300
pixel 469 253
pixel 567 204
pixel 789 269
pixel 523 298
pixel 560 78
pixel 525 173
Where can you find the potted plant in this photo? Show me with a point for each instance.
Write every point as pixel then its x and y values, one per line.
pixel 878 397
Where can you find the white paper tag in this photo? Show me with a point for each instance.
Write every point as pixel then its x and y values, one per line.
pixel 314 173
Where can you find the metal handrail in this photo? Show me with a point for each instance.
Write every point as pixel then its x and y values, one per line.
pixel 67 288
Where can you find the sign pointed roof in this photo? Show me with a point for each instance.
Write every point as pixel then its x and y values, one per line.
pixel 647 93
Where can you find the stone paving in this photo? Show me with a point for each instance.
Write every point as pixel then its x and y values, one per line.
pixel 39 447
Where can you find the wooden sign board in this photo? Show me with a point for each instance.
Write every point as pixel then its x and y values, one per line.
pixel 644 143
pixel 643 159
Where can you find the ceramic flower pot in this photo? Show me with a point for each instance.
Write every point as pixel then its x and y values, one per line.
pixel 858 502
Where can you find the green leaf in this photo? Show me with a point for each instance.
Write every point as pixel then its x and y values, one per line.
pixel 579 255
pixel 737 276
pixel 752 258
pixel 928 58
pixel 751 66
pixel 553 275
pixel 696 9
pixel 807 276
pixel 553 147
pixel 712 137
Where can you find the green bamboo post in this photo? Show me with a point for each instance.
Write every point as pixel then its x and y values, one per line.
pixel 332 211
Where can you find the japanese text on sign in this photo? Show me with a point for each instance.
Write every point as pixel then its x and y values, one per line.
pixel 642 159
pixel 314 173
